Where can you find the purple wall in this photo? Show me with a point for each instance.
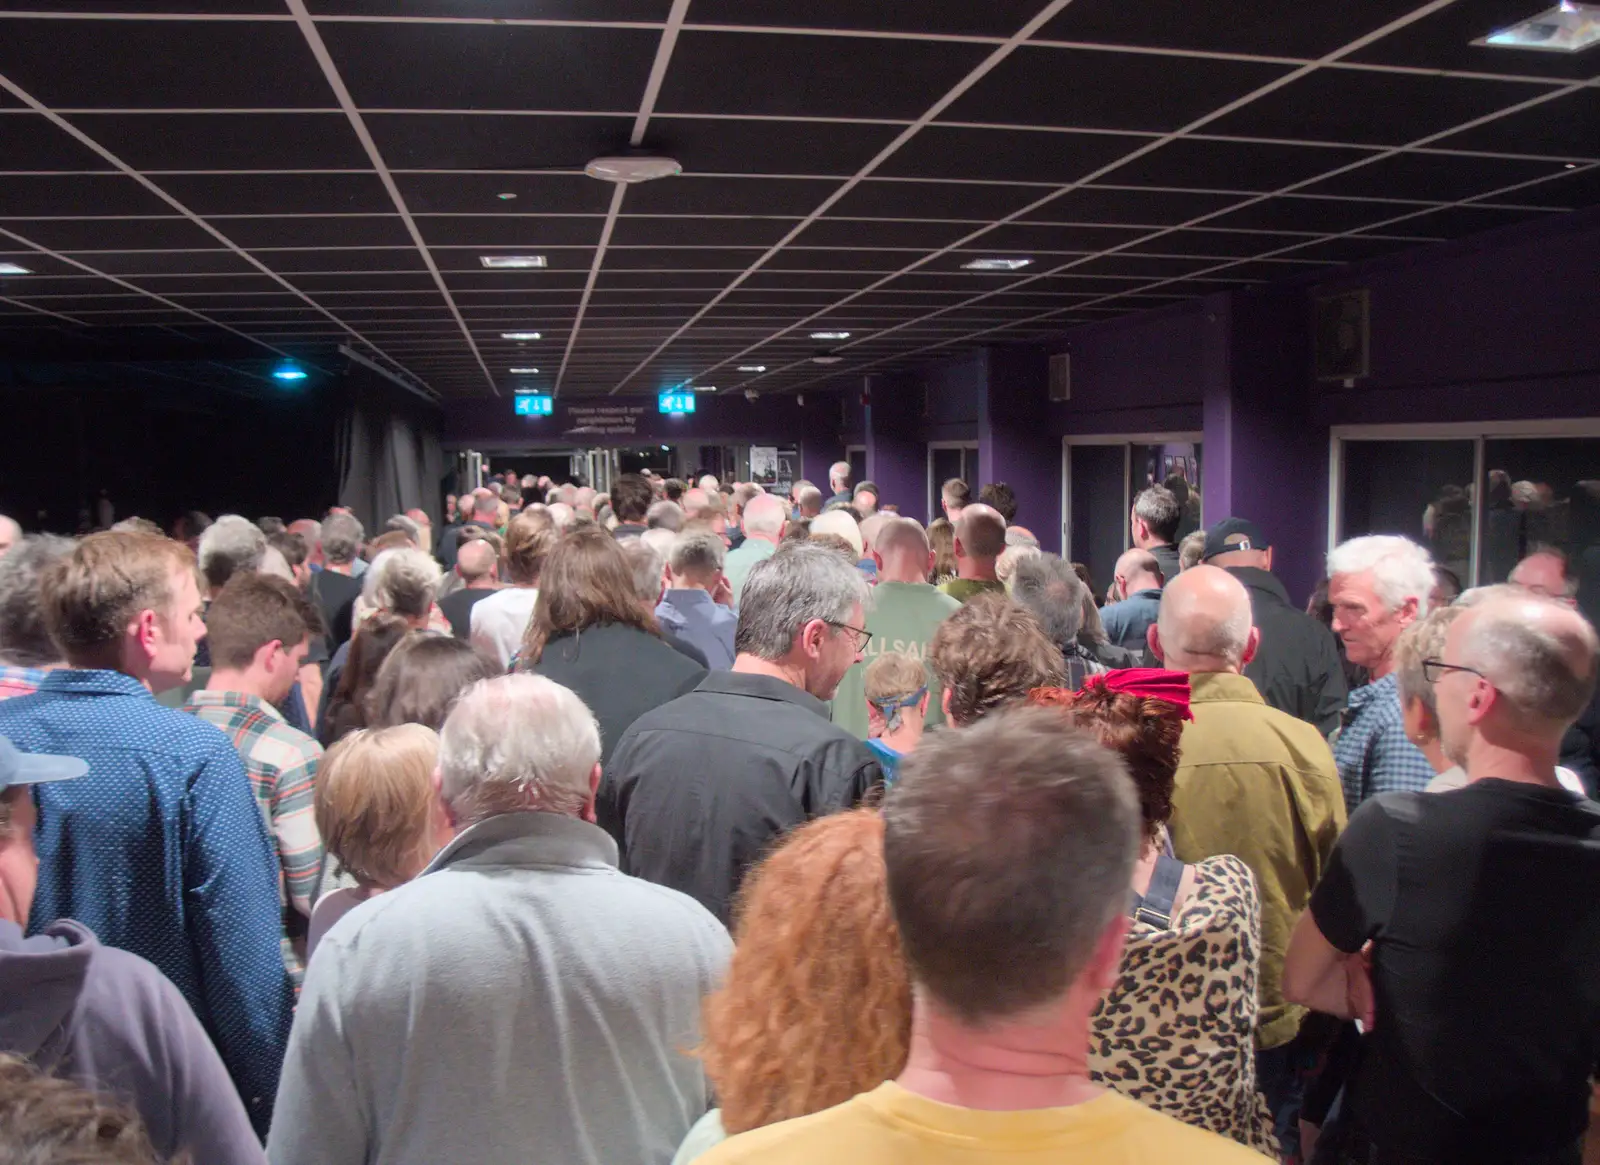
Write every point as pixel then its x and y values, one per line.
pixel 896 456
pixel 1137 374
pixel 1016 444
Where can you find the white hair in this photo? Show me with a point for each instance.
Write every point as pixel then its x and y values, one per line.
pixel 659 540
pixel 839 472
pixel 842 523
pixel 517 742
pixel 403 580
pixel 562 513
pixel 764 514
pixel 274 563
pixel 709 483
pixel 1400 568
pixel 664 515
pixel 230 544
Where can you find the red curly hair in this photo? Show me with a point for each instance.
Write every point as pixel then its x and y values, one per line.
pixel 817 1004
pixel 1143 730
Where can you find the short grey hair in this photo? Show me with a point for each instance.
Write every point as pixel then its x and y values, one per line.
pixel 403 581
pixel 664 515
pixel 839 471
pixel 24 639
pixel 1018 536
pixel 1400 568
pixel 765 514
pixel 1157 507
pixel 808 498
pixel 1049 587
pixel 658 540
pixel 799 583
pixel 647 564
pixel 407 526
pixel 229 545
pixel 516 743
pixel 342 536
pixel 697 551
pixel 1423 639
pixel 1527 663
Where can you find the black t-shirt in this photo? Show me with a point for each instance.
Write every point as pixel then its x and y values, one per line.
pixel 1484 907
pixel 457 607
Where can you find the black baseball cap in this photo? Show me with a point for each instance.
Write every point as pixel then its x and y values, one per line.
pixel 1232 534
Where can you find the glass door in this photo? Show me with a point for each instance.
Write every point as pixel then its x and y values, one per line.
pixel 947 459
pixel 1100 478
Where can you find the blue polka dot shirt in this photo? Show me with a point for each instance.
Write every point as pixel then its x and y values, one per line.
pixel 161 850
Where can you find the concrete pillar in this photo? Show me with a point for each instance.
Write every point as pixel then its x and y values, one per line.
pixel 896 457
pixel 1016 443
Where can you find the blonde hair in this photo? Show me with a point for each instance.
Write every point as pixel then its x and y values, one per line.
pixel 894 675
pixel 1006 565
pixel 92 594
pixel 375 801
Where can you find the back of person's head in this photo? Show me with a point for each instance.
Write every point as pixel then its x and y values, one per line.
pixel 529 540
pixel 1000 498
pixel 955 493
pixel 390 540
pixel 816 1006
pixel 138 526
pixel 697 557
pixel 254 611
pixel 809 501
pixel 49 1121
pixel 1538 654
pixel 1548 571
pixel 486 507
pixel 587 581
pixel 293 547
pixel 403 582
pixel 404 524
pixel 894 681
pixel 1006 565
pixel 942 541
pixel 518 743
pixel 865 496
pixel 1048 587
pixel 764 514
pixel 1160 513
pixel 94 595
pixel 1139 570
pixel 1021 536
pixel 422 679
pixel 980 533
pixel 1401 570
pixel 375 803
pixel 901 545
pixel 839 476
pixel 1144 730
pixel 24 637
pixel 369 647
pixel 661 540
pixel 1009 847
pixel 989 654
pixel 342 536
pixel 270 526
pixel 841 522
pixel 664 515
pixel 649 569
pixel 1191 549
pixel 1422 640
pixel 1205 623
pixel 672 489
pixel 476 560
pixel 230 544
pixel 1178 486
pixel 800 584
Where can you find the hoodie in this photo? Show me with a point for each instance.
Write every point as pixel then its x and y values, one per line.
pixel 110 1021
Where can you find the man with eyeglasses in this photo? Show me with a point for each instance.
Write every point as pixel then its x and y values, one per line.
pixel 698 789
pixel 1462 927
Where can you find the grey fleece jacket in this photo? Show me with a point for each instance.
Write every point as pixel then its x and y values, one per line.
pixel 112 1022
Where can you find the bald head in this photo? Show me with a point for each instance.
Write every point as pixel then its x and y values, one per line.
pixel 980 533
pixel 1205 623
pixel 476 562
pixel 901 550
pixel 764 517
pixel 1137 570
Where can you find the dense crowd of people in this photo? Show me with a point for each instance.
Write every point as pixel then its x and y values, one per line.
pixel 693 822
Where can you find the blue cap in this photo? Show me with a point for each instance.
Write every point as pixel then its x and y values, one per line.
pixel 35 768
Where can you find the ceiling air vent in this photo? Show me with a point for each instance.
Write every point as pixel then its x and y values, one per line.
pixel 1342 335
pixel 1060 376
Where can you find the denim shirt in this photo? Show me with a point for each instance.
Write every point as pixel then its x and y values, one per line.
pixel 161 850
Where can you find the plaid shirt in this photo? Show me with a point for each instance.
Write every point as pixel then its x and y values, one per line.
pixel 1080 666
pixel 1371 748
pixel 19 681
pixel 281 762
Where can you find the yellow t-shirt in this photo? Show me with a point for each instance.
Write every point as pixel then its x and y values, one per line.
pixel 890 1126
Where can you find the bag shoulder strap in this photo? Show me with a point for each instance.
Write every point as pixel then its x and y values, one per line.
pixel 1155 908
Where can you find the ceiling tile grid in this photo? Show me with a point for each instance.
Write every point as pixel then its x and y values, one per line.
pixel 286 176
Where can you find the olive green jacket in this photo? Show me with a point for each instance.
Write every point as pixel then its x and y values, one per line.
pixel 1259 784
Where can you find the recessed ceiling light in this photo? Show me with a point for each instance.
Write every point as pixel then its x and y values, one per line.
pixel 519 335
pixel 1571 166
pixel 1566 28
pixel 752 368
pixel 996 264
pixel 705 388
pixel 288 371
pixel 506 197
pixel 14 269
pixel 524 372
pixel 629 168
pixel 830 335
pixel 826 358
pixel 511 262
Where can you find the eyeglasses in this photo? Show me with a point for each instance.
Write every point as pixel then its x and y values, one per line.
pixel 862 635
pixel 1434 669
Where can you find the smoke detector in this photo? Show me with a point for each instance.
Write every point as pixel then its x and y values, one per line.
pixel 628 169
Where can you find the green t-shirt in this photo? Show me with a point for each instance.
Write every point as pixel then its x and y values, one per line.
pixel 962 589
pixel 740 562
pixel 903 617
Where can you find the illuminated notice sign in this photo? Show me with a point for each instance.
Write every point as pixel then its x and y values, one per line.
pixel 532 404
pixel 677 402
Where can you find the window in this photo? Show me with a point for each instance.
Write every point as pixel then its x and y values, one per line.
pixel 1539 485
pixel 1101 477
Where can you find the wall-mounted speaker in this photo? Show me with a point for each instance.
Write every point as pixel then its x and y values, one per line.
pixel 1343 333
pixel 1060 376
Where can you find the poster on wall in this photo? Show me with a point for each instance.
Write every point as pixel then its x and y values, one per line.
pixel 773 469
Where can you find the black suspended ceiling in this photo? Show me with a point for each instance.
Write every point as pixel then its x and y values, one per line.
pixel 286 176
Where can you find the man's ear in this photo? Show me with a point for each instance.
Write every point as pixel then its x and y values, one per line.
pixel 1251 646
pixel 1153 638
pixel 944 703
